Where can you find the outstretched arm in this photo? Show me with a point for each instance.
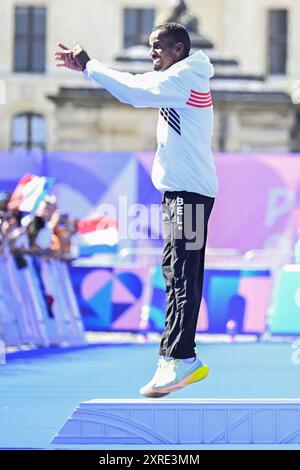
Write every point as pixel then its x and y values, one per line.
pixel 147 90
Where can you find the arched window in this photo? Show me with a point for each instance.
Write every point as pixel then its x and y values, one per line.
pixel 28 132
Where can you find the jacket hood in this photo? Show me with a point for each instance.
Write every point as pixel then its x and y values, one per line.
pixel 200 64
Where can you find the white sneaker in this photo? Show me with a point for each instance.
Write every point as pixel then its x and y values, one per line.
pixel 173 375
pixel 149 389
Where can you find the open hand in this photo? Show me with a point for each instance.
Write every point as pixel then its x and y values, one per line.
pixel 66 58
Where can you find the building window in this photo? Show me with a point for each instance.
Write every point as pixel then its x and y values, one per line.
pixel 277 41
pixel 30 39
pixel 138 23
pixel 28 132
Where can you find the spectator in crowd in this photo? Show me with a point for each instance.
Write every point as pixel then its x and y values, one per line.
pixel 14 236
pixel 41 228
pixel 63 232
pixel 47 233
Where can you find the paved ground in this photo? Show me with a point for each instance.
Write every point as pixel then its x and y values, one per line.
pixel 39 389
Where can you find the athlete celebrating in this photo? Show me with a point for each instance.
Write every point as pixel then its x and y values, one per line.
pixel 184 171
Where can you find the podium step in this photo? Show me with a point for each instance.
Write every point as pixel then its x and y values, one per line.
pixel 183 421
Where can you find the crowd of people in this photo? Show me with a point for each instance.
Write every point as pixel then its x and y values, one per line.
pixel 45 233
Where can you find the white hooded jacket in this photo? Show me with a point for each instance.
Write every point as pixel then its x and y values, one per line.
pixel 183 160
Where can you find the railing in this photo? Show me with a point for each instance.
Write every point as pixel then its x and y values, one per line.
pixel 37 302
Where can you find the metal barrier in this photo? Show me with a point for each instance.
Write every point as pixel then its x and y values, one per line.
pixel 12 327
pixel 65 310
pixel 37 303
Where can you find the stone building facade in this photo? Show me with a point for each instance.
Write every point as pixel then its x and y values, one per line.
pixel 255 98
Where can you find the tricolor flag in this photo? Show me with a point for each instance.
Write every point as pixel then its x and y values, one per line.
pixel 30 192
pixel 98 231
pixel 200 100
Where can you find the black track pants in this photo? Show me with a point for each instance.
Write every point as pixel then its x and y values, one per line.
pixel 185 218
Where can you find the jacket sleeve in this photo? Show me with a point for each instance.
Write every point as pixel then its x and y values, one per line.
pixel 148 90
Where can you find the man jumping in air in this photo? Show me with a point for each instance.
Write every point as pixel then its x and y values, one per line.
pixel 184 171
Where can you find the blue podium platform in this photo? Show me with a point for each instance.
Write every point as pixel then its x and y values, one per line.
pixel 39 389
pixel 183 421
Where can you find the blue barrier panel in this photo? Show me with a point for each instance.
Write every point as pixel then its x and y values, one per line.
pixel 105 295
pixel 239 295
pixel 110 298
pixel 285 318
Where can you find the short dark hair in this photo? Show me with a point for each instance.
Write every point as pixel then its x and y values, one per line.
pixel 178 34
